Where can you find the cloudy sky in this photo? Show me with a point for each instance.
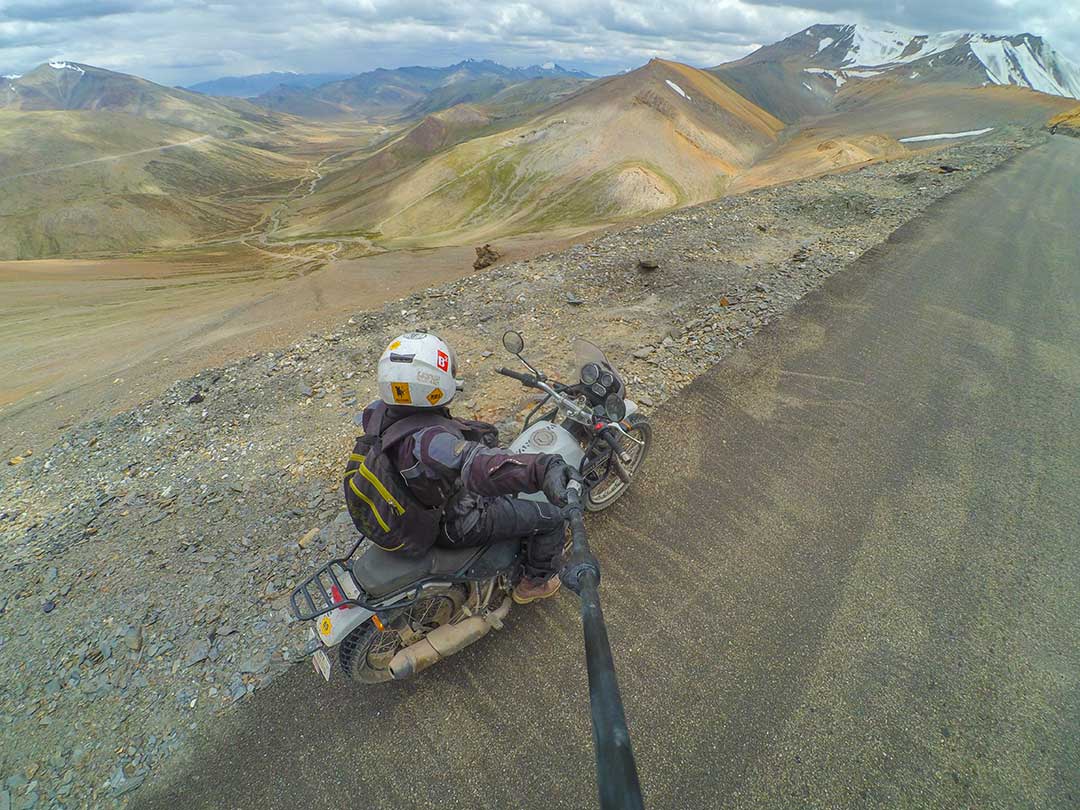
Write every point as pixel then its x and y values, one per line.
pixel 185 41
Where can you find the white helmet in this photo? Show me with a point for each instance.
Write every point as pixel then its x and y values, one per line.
pixel 418 369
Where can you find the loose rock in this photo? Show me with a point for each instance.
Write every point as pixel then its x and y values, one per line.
pixel 486 256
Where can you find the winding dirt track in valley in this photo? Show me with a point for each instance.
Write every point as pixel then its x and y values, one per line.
pixel 107 158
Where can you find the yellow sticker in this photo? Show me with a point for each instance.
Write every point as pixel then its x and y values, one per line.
pixel 325 626
pixel 394 345
pixel 434 396
pixel 400 390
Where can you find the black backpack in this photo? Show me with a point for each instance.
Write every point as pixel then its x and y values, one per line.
pixel 380 503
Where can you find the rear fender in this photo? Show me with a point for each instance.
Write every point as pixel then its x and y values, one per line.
pixel 334 626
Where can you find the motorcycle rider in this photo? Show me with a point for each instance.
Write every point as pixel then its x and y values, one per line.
pixel 456 464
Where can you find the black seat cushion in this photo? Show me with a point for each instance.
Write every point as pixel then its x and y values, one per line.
pixel 381 572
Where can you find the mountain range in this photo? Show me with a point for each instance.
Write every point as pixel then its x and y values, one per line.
pixel 96 161
pixel 59 85
pixel 407 90
pixel 259 83
pixel 663 135
pixel 845 52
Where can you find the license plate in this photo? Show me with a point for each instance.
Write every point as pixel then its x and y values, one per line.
pixel 321 661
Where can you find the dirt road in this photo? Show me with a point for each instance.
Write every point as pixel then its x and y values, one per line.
pixel 107 158
pixel 848 579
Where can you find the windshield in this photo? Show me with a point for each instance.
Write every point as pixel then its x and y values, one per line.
pixel 608 379
pixel 586 352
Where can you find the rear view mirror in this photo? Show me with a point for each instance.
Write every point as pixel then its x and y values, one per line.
pixel 513 342
pixel 615 407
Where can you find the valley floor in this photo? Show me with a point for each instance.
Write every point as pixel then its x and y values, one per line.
pixel 148 554
pixel 81 336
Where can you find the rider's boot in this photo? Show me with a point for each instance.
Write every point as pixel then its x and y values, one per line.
pixel 529 590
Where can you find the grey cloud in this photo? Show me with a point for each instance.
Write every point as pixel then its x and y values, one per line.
pixel 63 10
pixel 184 41
pixel 930 15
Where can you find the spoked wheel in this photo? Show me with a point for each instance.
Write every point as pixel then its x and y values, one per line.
pixel 605 486
pixel 366 653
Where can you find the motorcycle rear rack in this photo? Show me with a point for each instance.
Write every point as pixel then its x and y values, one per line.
pixel 322 592
pixel 312 598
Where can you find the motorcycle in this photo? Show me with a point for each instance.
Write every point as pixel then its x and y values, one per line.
pixel 390 617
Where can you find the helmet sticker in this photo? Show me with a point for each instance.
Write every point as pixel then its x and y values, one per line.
pixel 443 361
pixel 393 345
pixel 434 396
pixel 400 390
pixel 428 377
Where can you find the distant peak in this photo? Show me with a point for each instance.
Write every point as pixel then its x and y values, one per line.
pixel 865 51
pixel 57 64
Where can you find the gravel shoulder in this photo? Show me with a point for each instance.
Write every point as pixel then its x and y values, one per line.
pixel 148 556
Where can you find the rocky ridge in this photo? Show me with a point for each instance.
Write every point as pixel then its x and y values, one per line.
pixel 148 557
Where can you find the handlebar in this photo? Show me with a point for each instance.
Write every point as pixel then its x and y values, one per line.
pixel 524 379
pixel 611 436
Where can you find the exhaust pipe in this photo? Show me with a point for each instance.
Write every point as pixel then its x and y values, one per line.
pixel 442 642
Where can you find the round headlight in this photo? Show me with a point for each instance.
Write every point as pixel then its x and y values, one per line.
pixel 590 373
pixel 606 379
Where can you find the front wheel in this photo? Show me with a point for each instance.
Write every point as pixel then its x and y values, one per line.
pixel 604 485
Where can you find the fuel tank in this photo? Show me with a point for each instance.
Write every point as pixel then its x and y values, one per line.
pixel 547 437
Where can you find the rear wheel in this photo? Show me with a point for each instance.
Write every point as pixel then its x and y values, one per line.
pixel 366 653
pixel 605 486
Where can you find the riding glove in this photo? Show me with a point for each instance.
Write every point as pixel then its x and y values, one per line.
pixel 558 475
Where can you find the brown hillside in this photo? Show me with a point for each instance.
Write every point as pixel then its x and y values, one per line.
pixel 1067 123
pixel 664 135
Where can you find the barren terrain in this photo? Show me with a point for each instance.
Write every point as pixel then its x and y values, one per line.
pixel 79 337
pixel 148 554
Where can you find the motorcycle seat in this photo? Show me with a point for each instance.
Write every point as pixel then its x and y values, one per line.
pixel 381 572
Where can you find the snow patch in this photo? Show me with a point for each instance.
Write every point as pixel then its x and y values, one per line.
pixel 871 47
pixel 548 66
pixel 945 135
pixel 1006 63
pixel 914 75
pixel 808 87
pixel 863 74
pixel 677 89
pixel 835 75
pixel 55 65
pixel 12 76
pixel 1029 63
pixel 825 43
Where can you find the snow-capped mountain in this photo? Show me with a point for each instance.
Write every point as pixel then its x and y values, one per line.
pixel 844 52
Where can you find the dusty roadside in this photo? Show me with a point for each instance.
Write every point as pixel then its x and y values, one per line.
pixel 147 556
pixel 82 338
